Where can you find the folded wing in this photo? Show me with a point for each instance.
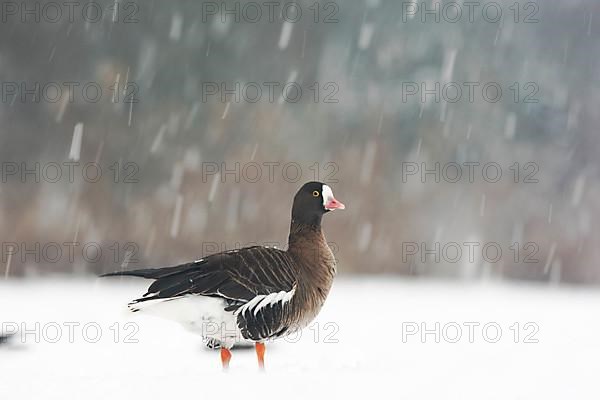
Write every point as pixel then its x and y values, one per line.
pixel 256 282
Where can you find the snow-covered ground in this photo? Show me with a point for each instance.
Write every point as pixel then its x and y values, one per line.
pixel 355 349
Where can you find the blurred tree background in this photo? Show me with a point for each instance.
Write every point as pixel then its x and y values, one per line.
pixel 175 211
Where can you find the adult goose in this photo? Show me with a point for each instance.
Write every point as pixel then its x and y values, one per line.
pixel 251 294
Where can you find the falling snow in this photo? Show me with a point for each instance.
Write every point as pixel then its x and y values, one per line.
pixel 75 152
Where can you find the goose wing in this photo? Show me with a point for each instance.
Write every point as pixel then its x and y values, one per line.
pixel 256 282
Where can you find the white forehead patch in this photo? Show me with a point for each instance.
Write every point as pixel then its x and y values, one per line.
pixel 327 194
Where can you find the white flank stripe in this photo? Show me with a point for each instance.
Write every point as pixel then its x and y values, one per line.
pixel 263 300
pixel 270 299
pixel 251 303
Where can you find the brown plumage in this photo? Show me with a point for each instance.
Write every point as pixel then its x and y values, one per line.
pixel 255 293
pixel 316 268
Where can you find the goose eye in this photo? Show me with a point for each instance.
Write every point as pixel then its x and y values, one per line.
pixel 316 194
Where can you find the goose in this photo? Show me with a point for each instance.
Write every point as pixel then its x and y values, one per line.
pixel 253 294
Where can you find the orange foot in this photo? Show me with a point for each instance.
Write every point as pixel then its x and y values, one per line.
pixel 225 357
pixel 260 354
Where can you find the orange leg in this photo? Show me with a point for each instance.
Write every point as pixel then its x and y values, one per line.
pixel 260 354
pixel 225 357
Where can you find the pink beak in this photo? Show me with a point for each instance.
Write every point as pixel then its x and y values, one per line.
pixel 333 204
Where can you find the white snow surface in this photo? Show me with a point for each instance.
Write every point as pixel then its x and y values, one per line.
pixel 370 358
